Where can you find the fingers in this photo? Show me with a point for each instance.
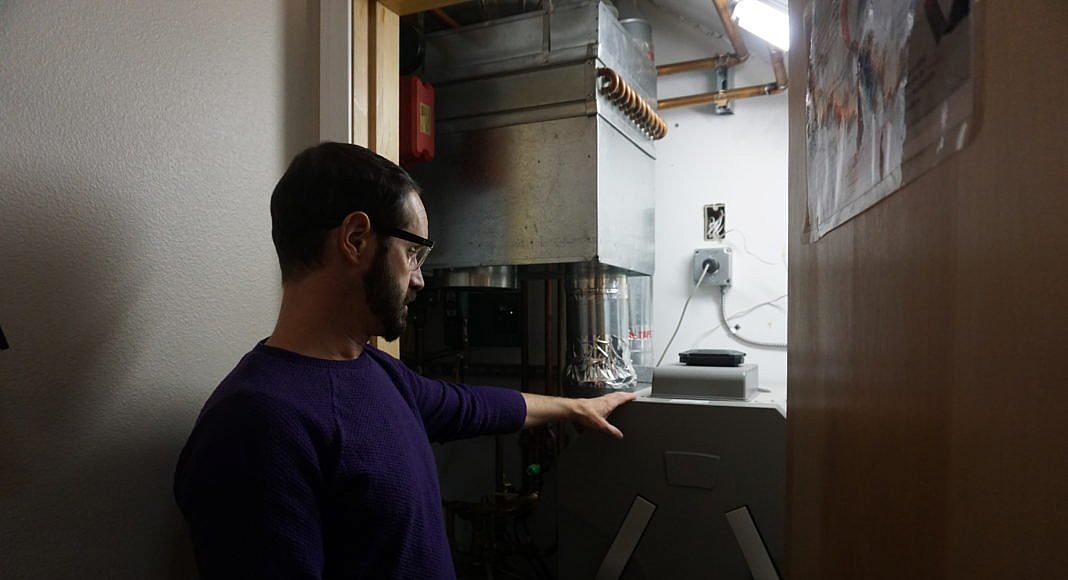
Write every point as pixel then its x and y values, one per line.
pixel 611 429
pixel 616 399
pixel 594 412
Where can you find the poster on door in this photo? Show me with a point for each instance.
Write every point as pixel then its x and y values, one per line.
pixel 891 93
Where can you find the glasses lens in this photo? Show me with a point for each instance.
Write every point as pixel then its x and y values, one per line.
pixel 419 257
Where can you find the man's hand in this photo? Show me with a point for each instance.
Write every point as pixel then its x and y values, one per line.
pixel 591 413
pixel 594 413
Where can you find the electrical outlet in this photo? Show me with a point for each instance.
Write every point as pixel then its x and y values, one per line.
pixel 719 271
pixel 715 215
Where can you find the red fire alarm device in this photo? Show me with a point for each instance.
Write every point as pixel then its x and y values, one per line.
pixel 416 120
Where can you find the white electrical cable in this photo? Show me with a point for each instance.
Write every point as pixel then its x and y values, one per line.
pixel 734 333
pixel 682 315
pixel 745 248
pixel 715 229
pixel 745 312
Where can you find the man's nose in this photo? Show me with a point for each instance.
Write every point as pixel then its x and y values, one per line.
pixel 416 284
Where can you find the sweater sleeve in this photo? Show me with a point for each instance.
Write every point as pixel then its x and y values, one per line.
pixel 454 411
pixel 247 484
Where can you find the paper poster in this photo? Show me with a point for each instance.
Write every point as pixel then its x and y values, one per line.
pixel 891 93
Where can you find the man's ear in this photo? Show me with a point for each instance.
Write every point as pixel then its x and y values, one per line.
pixel 354 237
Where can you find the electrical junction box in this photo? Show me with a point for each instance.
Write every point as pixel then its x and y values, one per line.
pixel 715 222
pixel 416 120
pixel 720 266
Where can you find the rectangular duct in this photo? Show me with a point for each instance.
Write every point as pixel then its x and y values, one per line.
pixel 535 165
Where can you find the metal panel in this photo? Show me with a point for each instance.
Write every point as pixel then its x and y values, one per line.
pixel 516 117
pixel 617 50
pixel 512 44
pixel 487 48
pixel 625 202
pixel 689 536
pixel 534 166
pixel 558 191
pixel 524 90
pixel 615 117
pixel 573 30
pixel 523 194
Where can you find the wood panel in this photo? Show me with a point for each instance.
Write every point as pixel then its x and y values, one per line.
pixel 383 116
pixel 362 90
pixel 927 394
pixel 384 75
pixel 360 82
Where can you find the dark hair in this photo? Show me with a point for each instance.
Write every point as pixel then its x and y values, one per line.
pixel 324 184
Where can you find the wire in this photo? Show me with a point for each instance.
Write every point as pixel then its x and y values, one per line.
pixel 682 315
pixel 734 333
pixel 752 308
pixel 715 229
pixel 745 248
pixel 745 312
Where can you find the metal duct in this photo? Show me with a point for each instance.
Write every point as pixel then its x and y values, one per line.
pixel 480 277
pixel 545 140
pixel 598 327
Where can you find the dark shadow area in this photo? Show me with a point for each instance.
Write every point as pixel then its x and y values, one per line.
pixel 89 451
pixel 69 283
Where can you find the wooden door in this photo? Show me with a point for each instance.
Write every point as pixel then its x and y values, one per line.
pixel 928 366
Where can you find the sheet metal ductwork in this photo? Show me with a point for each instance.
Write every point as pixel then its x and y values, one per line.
pixel 545 137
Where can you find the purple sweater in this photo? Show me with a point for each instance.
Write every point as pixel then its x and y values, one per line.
pixel 307 468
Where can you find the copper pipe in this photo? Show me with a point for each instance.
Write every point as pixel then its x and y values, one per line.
pixel 616 90
pixel 779 66
pixel 781 83
pixel 734 34
pixel 718 61
pixel 721 97
pixel 740 55
pixel 446 19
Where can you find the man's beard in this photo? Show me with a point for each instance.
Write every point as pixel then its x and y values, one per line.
pixel 385 299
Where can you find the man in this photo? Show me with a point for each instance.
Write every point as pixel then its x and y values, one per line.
pixel 312 458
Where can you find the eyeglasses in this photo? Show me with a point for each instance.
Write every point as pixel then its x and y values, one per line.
pixel 416 254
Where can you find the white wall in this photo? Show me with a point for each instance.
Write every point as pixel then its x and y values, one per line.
pixel 139 145
pixel 739 160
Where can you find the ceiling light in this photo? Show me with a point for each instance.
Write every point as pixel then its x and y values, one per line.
pixel 768 21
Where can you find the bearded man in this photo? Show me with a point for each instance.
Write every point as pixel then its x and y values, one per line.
pixel 312 458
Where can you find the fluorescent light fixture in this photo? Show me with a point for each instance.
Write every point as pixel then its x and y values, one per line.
pixel 770 22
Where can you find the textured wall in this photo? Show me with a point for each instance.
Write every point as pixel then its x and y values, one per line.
pixel 739 160
pixel 139 145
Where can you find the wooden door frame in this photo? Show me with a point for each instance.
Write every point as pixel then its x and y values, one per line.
pixel 359 77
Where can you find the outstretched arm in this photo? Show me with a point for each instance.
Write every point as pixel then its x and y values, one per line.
pixel 592 413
